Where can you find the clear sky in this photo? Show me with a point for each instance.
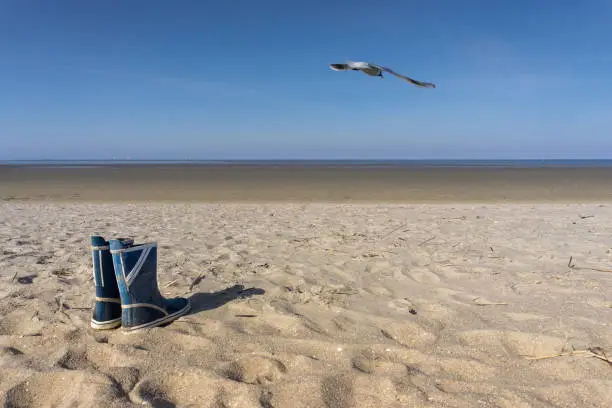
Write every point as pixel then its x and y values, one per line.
pixel 246 79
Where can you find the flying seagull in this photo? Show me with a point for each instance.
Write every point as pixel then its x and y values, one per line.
pixel 376 70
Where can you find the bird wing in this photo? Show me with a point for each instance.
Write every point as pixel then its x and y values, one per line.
pixel 412 81
pixel 373 71
pixel 339 67
pixel 358 64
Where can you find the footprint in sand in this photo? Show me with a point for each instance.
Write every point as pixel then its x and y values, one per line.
pixel 379 367
pixel 64 389
pixel 409 334
pixel 126 377
pixel 150 394
pixel 337 391
pixel 344 390
pixel 11 357
pixel 74 359
pixel 255 370
pixel 403 305
pixel 22 321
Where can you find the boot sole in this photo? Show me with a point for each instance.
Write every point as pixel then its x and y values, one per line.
pixel 159 322
pixel 111 324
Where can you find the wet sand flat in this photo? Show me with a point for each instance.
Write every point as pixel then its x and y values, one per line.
pixel 256 183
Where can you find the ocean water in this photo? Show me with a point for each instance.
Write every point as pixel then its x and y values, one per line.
pixel 505 163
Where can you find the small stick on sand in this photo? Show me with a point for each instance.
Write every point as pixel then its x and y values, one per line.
pixel 586 353
pixel 167 285
pixel 480 303
pixel 573 266
pixel 78 308
pixel 567 353
pixel 427 240
pixel 60 303
pixel 598 269
pixel 393 230
pixel 195 282
pixel 354 292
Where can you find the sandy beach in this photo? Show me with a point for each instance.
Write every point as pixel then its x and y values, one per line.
pixel 316 305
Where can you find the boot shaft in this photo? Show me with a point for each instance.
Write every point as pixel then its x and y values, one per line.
pixel 103 268
pixel 136 273
pixel 135 268
pixel 106 312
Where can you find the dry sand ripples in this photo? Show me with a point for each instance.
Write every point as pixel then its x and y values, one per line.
pixel 316 306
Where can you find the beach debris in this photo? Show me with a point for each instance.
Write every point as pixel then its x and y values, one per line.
pixel 596 269
pixel 348 292
pixel 479 302
pixel 376 71
pixel 427 241
pixel 586 216
pixel 245 315
pixel 62 272
pixel 60 303
pixel 412 311
pixel 167 285
pixel 403 225
pixel 11 351
pixel 26 280
pixel 196 281
pixel 43 259
pixel 596 352
pixel 76 308
pixel 573 266
pixel 462 218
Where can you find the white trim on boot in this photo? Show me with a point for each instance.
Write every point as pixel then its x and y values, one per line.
pixel 158 322
pixel 107 325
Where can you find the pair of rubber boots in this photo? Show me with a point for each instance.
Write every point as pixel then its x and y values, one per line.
pixel 127 294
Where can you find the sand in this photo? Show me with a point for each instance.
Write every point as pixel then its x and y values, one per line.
pixel 300 183
pixel 316 305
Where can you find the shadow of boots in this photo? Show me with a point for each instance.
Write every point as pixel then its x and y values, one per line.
pixel 208 301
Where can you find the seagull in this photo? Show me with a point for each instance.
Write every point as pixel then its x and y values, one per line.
pixel 376 70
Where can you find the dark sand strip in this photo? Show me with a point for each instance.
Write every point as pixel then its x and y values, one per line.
pixel 217 183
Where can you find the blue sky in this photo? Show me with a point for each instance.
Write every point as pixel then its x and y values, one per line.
pixel 247 79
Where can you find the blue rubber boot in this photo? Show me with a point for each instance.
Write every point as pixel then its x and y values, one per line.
pixel 106 313
pixel 142 304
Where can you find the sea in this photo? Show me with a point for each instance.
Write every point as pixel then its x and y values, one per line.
pixel 421 163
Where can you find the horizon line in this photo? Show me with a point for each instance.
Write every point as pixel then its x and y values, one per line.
pixel 311 159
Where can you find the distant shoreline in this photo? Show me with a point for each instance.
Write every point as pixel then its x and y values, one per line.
pixel 307 163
